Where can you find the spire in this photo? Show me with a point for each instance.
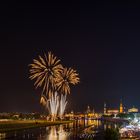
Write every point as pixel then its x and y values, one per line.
pixel 104 108
pixel 88 109
pixel 121 106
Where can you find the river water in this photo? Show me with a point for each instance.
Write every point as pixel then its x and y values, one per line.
pixel 71 131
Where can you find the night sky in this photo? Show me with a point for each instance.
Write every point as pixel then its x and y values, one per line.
pixel 100 40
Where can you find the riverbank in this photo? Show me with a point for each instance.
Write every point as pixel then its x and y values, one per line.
pixel 14 125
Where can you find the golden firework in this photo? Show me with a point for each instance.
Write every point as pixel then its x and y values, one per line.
pixel 43 100
pixel 45 71
pixel 67 77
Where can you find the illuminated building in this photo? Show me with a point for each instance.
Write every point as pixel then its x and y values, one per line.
pixel 104 108
pixel 88 110
pixel 133 110
pixel 121 107
pixel 89 113
pixel 70 115
pixel 112 111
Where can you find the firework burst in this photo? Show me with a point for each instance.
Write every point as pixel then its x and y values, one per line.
pixel 45 71
pixel 49 74
pixel 67 77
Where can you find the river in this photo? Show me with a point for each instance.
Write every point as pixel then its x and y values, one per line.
pixel 71 131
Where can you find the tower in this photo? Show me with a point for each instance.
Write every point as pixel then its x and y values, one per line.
pixel 104 108
pixel 88 109
pixel 121 107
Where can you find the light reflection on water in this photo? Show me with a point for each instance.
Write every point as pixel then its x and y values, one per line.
pixel 58 132
pixel 2 135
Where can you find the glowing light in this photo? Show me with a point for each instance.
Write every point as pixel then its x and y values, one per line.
pixel 45 71
pixel 57 133
pixel 53 105
pixel 43 100
pixel 63 104
pixel 53 133
pixel 130 130
pixel 50 75
pixel 68 76
pixel 2 135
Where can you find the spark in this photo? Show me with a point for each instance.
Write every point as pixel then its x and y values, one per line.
pixel 67 77
pixel 63 104
pixel 53 105
pixel 43 100
pixel 45 70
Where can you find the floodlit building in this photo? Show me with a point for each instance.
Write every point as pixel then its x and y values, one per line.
pixel 133 110
pixel 112 111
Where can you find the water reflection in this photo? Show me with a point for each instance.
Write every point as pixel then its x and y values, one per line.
pixel 2 135
pixel 59 132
